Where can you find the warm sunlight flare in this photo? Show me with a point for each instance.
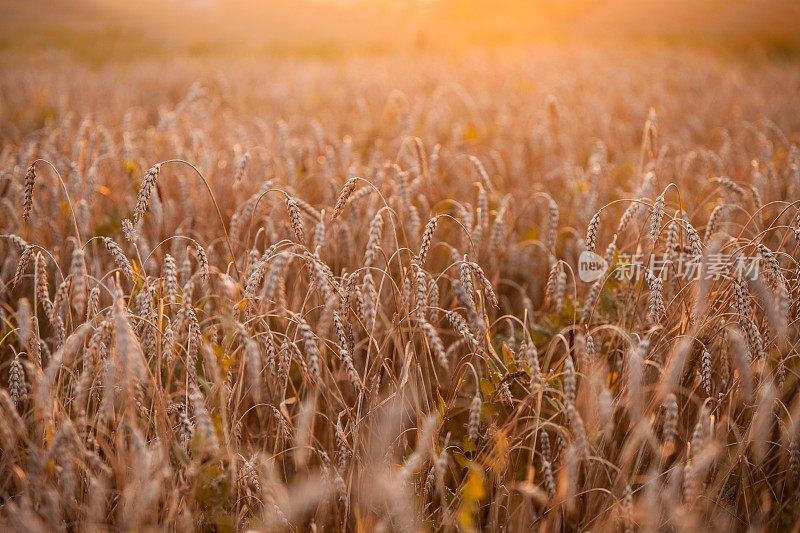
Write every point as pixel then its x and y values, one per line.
pixel 399 265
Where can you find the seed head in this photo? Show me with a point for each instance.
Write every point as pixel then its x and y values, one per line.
pixel 27 198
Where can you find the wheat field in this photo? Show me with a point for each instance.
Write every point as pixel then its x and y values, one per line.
pixel 305 295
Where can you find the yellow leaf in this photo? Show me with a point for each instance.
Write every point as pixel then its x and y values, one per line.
pixel 359 521
pixel 461 459
pixel 136 277
pixel 442 404
pixel 487 387
pixel 472 493
pixel 613 377
pixel 224 523
pixel 508 356
pixel 48 434
pixel 467 445
pixel 219 351
pixel 130 167
pixel 532 234
pixel 465 519
pixel 506 350
pixel 470 133
pixel 489 409
pixel 227 362
pixel 474 490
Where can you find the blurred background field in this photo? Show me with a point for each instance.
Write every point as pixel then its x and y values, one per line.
pixel 98 31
